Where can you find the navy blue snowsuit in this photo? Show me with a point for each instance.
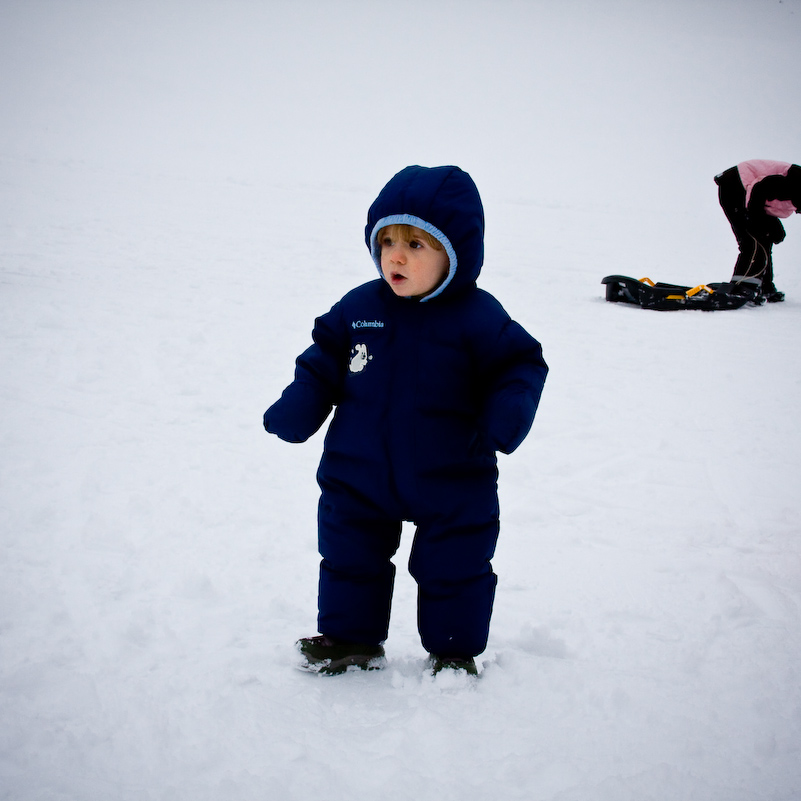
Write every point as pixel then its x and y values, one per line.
pixel 426 391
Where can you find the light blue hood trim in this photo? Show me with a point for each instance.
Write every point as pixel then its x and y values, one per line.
pixel 408 219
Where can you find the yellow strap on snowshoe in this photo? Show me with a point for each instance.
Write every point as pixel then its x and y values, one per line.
pixel 700 288
pixel 646 281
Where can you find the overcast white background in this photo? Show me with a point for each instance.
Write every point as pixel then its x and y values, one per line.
pixel 183 188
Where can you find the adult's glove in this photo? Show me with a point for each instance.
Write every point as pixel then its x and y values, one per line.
pixel 776 230
pixel 767 230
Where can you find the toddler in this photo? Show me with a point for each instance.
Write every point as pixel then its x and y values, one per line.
pixel 430 377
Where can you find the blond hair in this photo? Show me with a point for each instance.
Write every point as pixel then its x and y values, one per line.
pixel 401 232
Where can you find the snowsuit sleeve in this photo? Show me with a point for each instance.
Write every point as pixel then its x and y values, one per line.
pixel 515 386
pixel 306 403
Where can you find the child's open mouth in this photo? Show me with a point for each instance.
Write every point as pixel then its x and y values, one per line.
pixel 397 278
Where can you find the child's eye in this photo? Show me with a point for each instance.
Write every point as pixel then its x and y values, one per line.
pixel 415 244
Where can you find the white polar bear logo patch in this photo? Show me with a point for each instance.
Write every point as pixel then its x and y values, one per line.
pixel 359 358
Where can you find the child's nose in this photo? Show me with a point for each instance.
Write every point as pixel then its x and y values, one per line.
pixel 396 254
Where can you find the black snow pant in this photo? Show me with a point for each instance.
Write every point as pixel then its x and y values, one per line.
pixel 754 265
pixel 450 561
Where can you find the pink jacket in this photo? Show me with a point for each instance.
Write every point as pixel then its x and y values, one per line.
pixel 752 172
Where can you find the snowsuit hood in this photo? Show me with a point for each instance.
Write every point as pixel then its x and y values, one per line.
pixel 442 201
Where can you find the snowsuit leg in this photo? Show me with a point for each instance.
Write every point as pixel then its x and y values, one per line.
pixel 754 265
pixel 356 541
pixel 450 560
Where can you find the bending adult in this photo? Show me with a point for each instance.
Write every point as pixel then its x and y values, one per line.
pixel 755 195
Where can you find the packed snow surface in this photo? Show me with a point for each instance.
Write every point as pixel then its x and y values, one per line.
pixel 183 188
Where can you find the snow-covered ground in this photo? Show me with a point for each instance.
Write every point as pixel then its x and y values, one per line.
pixel 182 190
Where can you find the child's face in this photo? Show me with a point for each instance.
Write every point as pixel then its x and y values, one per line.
pixel 413 269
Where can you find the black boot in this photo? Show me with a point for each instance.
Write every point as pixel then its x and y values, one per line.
pixel 458 663
pixel 329 656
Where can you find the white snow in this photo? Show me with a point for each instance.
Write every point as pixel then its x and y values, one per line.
pixel 183 188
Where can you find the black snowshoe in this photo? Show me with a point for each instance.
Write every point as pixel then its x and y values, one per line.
pixel 671 297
